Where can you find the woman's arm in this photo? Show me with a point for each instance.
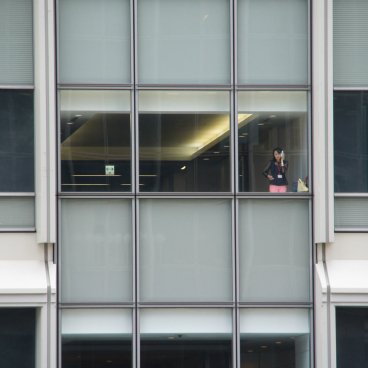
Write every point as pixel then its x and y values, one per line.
pixel 267 171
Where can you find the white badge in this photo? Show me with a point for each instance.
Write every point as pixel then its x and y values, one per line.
pixel 279 176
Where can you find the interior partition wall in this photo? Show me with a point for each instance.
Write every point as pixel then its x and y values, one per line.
pixel 172 249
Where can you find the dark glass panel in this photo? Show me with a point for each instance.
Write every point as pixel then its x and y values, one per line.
pixel 17 337
pixel 269 352
pixel 16 141
pixel 96 351
pixel 184 352
pixel 352 337
pixel 351 141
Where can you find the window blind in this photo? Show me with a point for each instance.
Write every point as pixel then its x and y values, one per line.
pixel 350 43
pixel 16 56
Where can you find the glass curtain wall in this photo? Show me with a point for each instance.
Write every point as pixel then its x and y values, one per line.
pixel 16 116
pixel 173 251
pixel 350 114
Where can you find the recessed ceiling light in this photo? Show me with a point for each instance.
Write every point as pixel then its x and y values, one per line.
pixel 264 346
pixel 183 168
pixel 260 124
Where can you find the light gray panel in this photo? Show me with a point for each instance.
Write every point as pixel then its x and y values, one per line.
pixel 17 212
pixel 94 41
pixel 185 250
pixel 184 41
pixel 96 250
pixel 274 250
pixel 272 41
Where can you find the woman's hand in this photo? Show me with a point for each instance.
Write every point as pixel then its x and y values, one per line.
pixel 270 177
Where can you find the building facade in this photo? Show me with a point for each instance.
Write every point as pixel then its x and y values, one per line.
pixel 137 153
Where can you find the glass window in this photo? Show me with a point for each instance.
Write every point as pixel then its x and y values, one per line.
pixel 18 337
pixel 268 120
pixel 96 250
pixel 96 338
pixel 184 42
pixel 16 141
pixel 16 42
pixel 94 41
pixel 17 212
pixel 351 213
pixel 351 337
pixel 95 141
pixel 274 338
pixel 273 42
pixel 185 250
pixel 274 250
pixel 186 338
pixel 351 141
pixel 184 139
pixel 350 51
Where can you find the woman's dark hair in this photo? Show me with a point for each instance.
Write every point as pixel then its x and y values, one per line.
pixel 278 150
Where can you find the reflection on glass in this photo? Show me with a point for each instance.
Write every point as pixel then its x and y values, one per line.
pixel 269 120
pixel 16 141
pixel 95 141
pixel 274 250
pixel 186 338
pixel 184 141
pixel 273 338
pixel 185 250
pixel 350 141
pixel 96 338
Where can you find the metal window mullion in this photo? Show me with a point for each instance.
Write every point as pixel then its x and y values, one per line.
pixel 237 252
pixel 236 334
pixel 136 142
pixel 137 250
pixel 137 338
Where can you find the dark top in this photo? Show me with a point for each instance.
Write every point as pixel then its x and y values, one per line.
pixel 275 169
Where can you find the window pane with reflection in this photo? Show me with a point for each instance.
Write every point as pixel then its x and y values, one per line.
pixel 95 141
pixel 186 338
pixel 269 120
pixel 96 338
pixel 184 140
pixel 273 338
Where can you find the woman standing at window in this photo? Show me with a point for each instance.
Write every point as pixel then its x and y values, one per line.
pixel 275 171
